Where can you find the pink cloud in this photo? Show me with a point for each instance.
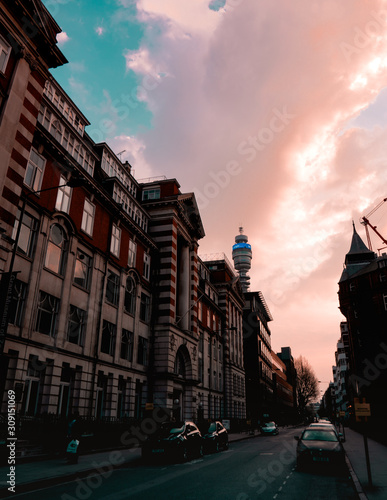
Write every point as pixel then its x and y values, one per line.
pixel 293 184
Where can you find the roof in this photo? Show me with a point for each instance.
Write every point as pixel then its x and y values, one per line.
pixel 358 257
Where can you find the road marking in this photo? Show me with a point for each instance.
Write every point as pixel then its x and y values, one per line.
pixel 266 453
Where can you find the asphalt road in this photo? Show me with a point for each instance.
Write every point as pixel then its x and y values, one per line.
pixel 259 468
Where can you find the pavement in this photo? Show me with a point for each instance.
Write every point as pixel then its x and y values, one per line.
pixel 43 473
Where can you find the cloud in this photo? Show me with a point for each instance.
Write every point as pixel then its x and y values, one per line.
pixel 295 184
pixel 62 38
pixel 100 30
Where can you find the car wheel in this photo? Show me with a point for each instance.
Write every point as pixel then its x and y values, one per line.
pixel 184 454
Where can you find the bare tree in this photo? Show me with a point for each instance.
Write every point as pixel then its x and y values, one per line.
pixel 307 384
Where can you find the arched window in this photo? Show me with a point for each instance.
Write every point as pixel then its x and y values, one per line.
pixel 56 250
pixel 180 364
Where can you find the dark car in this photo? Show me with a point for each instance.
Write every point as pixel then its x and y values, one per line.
pixel 269 428
pixel 319 445
pixel 176 441
pixel 215 437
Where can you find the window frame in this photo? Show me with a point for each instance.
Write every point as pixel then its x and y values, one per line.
pixel 34 173
pixel 108 338
pixel 56 253
pixel 127 344
pixel 88 217
pixel 84 264
pixel 146 266
pixel 80 325
pixel 5 48
pixel 63 197
pixel 51 313
pixel 132 253
pixel 145 307
pixel 112 292
pixel 115 240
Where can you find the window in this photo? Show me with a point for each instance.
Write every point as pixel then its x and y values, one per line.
pixel 115 240
pixel 146 270
pixel 112 288
pixel 151 194
pixel 142 352
pixel 34 171
pixel 56 250
pixel 5 50
pixel 56 130
pixel 76 326
pixel 126 345
pixel 63 197
pixel 123 397
pixel 200 311
pixel 88 217
pixel 27 234
pixel 385 301
pixel 18 302
pixel 108 340
pixel 48 307
pixel 132 254
pixel 144 307
pixel 82 270
pixel 130 295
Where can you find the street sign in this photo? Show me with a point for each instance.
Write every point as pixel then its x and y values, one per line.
pixel 362 410
pixel 342 413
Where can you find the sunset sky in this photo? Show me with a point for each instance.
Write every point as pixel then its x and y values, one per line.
pixel 273 113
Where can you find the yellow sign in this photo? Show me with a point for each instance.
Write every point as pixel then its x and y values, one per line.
pixel 362 410
pixel 149 406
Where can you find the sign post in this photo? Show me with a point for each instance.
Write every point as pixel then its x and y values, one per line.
pixel 362 411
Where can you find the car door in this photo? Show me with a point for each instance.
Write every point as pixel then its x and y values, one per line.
pixel 193 438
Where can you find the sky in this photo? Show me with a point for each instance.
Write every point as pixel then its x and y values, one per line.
pixel 273 113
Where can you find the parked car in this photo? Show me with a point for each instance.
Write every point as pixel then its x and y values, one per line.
pixel 269 428
pixel 319 445
pixel 215 437
pixel 175 441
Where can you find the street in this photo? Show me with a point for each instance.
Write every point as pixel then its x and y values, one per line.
pixel 262 467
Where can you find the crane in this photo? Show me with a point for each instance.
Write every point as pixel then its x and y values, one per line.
pixel 365 221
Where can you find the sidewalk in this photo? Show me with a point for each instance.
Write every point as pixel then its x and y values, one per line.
pixel 354 448
pixel 45 473
pixel 30 475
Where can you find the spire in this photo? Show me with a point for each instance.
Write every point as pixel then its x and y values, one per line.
pixel 358 256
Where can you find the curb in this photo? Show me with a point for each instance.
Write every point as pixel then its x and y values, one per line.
pixel 355 480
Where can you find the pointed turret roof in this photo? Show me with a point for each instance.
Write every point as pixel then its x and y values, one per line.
pixel 359 256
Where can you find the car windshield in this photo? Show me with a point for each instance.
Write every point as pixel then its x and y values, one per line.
pixel 177 430
pixel 269 424
pixel 319 435
pixel 212 427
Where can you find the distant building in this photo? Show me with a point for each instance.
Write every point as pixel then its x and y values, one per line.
pixel 283 400
pixel 257 357
pixel 340 370
pixel 231 302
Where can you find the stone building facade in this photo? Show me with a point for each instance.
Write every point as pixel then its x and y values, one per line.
pixel 106 308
